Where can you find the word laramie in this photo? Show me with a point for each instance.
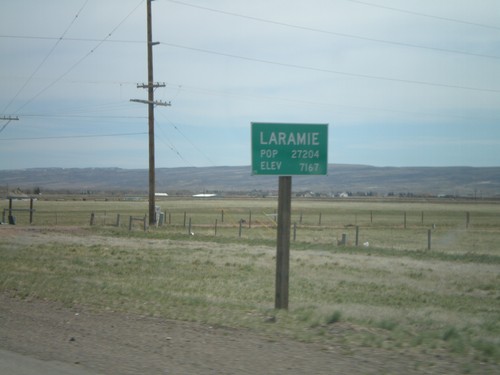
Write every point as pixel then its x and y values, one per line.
pixel 290 138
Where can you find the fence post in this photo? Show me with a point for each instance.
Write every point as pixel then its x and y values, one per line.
pixel 130 224
pixel 117 220
pixel 185 220
pixel 294 231
pixel 92 217
pixel 300 219
pixel 189 228
pixel 215 228
pixel 405 220
pixel 222 216
pixel 429 236
pixel 31 210
pixel 357 235
pixel 250 219
pixel 11 219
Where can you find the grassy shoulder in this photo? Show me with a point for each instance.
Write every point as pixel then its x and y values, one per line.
pixel 377 297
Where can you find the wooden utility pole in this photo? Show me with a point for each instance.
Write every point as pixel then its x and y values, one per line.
pixel 151 85
pixel 151 120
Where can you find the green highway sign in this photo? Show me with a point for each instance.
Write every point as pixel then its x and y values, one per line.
pixel 289 149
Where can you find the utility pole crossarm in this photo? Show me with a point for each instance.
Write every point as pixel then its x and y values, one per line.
pixel 154 102
pixel 154 85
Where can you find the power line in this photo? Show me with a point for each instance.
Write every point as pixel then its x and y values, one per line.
pixel 188 139
pixel 72 136
pixel 81 59
pixel 46 56
pixel 330 71
pixel 414 13
pixel 344 35
pixel 171 146
pixel 70 39
pixel 294 102
pixel 81 116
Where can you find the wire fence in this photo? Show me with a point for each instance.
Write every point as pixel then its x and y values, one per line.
pixel 469 228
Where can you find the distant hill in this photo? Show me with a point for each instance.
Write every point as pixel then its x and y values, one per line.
pixel 462 181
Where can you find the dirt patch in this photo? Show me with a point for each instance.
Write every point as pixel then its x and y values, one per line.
pixel 116 343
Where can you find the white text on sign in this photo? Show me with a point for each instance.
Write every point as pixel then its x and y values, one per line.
pixel 289 149
pixel 270 165
pixel 290 139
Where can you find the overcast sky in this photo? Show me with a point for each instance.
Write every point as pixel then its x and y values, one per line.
pixel 400 83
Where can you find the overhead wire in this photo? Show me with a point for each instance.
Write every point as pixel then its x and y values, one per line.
pixel 338 34
pixel 291 101
pixel 28 80
pixel 331 71
pixel 176 128
pixel 166 141
pixel 5 125
pixel 72 136
pixel 72 67
pixel 420 14
pixel 40 37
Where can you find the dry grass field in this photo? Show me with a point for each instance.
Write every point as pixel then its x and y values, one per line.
pixel 388 293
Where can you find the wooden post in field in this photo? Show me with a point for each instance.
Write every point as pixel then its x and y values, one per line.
pixel 250 219
pixel 221 216
pixel 11 218
pixel 130 224
pixel 300 219
pixel 189 228
pixel 405 220
pixel 169 218
pixel 283 242
pixel 117 220
pixel 184 219
pixel 92 219
pixel 294 231
pixel 357 235
pixel 31 210
pixel 429 236
pixel 215 228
